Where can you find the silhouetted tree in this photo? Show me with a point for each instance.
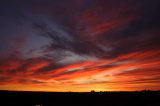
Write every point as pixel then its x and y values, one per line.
pixel 92 91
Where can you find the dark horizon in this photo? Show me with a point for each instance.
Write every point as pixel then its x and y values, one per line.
pixel 30 98
pixel 92 91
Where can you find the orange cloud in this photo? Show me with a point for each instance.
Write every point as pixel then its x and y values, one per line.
pixel 134 71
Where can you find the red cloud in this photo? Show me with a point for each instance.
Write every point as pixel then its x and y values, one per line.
pixel 125 70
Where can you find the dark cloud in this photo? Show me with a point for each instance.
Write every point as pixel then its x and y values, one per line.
pixel 132 28
pixel 49 67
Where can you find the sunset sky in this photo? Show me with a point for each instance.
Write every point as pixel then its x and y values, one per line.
pixel 79 45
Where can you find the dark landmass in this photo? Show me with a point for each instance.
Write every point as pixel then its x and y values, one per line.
pixel 26 98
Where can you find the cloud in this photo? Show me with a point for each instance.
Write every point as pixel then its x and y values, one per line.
pixel 90 43
pixel 102 30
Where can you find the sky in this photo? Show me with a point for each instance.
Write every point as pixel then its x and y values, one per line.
pixel 79 45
